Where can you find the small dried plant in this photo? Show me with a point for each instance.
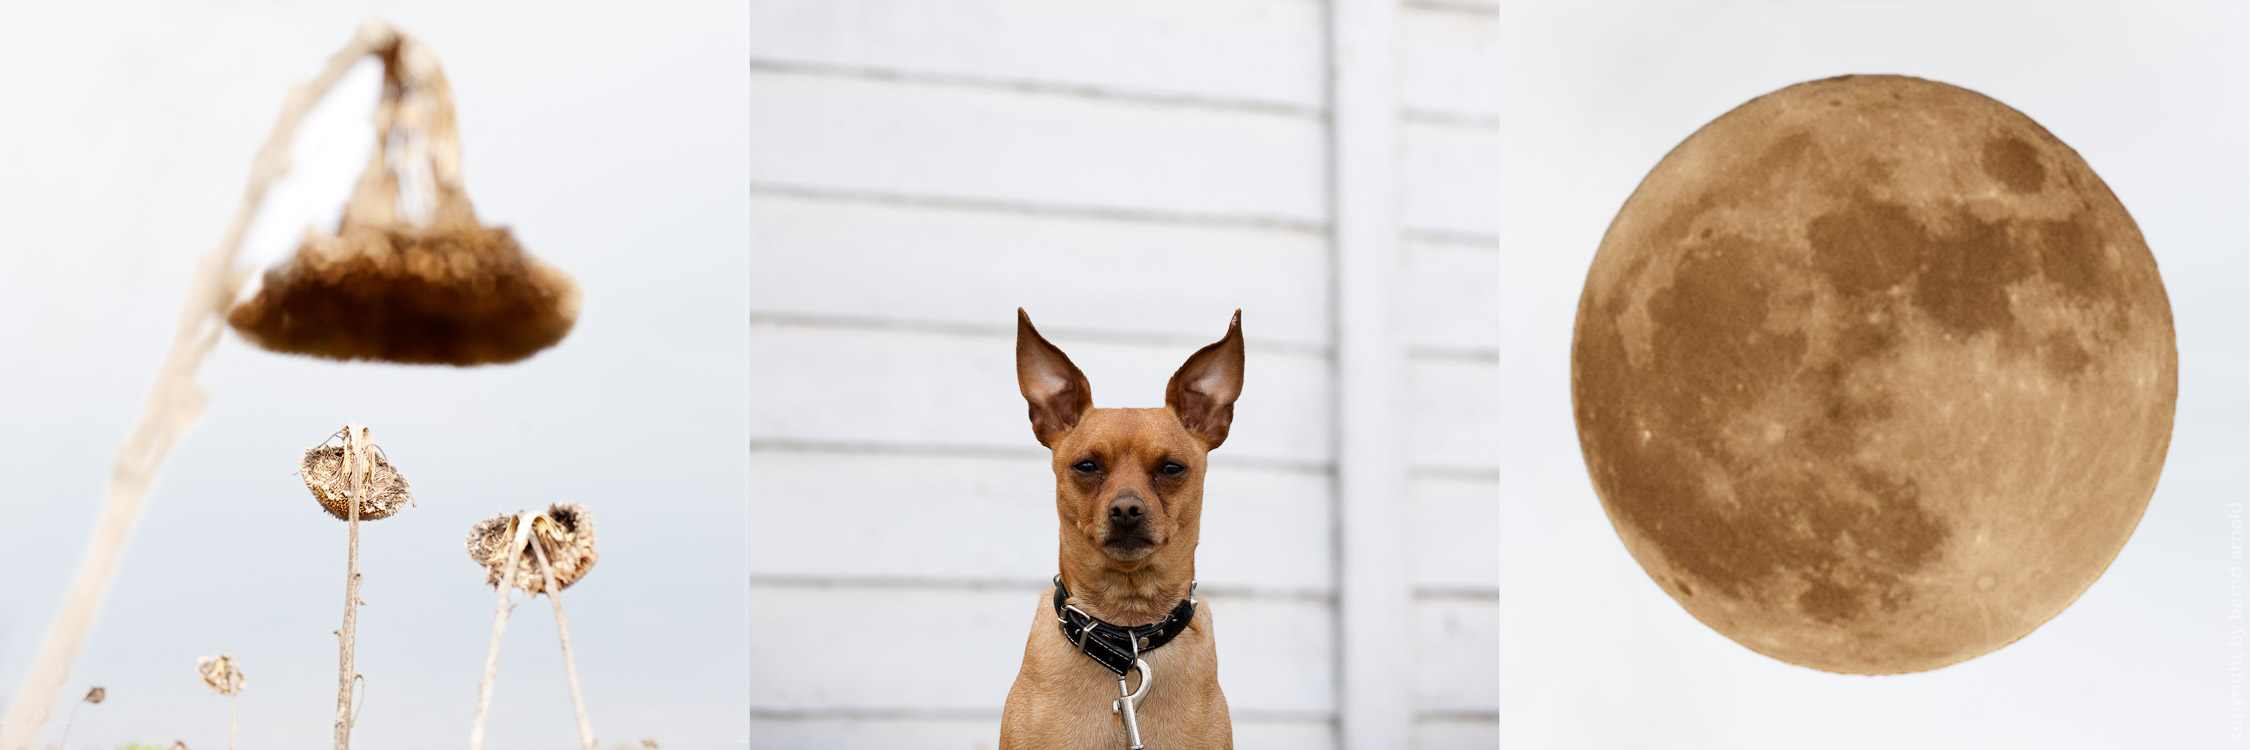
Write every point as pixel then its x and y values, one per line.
pixel 94 695
pixel 346 487
pixel 220 673
pixel 537 553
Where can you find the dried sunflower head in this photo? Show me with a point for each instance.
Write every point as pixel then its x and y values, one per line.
pixel 221 673
pixel 324 473
pixel 488 545
pixel 564 533
pixel 441 289
pixel 453 295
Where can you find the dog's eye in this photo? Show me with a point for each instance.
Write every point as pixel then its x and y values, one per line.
pixel 1171 469
pixel 1085 467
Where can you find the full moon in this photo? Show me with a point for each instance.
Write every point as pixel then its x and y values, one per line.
pixel 1873 374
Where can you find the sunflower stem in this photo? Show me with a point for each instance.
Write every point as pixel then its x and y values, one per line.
pixel 355 461
pixel 65 744
pixel 570 664
pixel 499 625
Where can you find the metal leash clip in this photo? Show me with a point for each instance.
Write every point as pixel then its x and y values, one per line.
pixel 1129 700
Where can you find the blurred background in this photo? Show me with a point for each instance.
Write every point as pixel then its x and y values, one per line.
pixel 2154 96
pixel 1131 173
pixel 609 138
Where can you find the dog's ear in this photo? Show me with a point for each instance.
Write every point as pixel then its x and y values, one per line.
pixel 1058 392
pixel 1202 393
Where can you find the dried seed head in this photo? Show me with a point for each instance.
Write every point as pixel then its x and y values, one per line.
pixel 393 286
pixel 323 470
pixel 565 533
pixel 488 546
pixel 178 745
pixel 221 673
pixel 454 295
pixel 96 695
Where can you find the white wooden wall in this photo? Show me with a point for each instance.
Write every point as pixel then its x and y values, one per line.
pixel 1130 172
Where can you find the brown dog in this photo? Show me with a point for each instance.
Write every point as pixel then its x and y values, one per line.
pixel 1129 491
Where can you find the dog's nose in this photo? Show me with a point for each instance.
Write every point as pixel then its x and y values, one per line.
pixel 1126 511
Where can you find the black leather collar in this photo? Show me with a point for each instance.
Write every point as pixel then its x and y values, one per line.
pixel 1114 646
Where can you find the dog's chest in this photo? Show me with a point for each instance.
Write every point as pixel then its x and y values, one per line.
pixel 1065 700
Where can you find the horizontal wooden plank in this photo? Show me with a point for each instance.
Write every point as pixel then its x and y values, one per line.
pixel 1450 178
pixel 1455 526
pixel 863 648
pixel 906 388
pixel 901 138
pixel 1288 734
pixel 946 733
pixel 1453 300
pixel 860 648
pixel 876 732
pixel 1457 655
pixel 1262 51
pixel 1455 734
pixel 957 267
pixel 1472 6
pixel 1453 413
pixel 978 518
pixel 1449 62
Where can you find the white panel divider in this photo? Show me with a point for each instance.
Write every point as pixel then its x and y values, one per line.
pixel 1375 633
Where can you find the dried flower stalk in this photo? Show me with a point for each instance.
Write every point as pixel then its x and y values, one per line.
pixel 536 553
pixel 220 673
pixel 174 402
pixel 570 663
pixel 515 528
pixel 94 696
pixel 358 464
